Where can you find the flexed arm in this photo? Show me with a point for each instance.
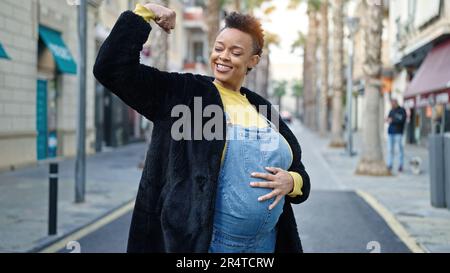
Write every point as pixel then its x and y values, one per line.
pixel 146 89
pixel 163 17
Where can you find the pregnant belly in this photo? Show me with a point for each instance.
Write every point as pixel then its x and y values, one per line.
pixel 239 211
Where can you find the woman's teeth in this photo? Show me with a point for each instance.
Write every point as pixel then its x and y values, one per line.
pixel 222 68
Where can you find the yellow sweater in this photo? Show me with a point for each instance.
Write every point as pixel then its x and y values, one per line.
pixel 237 106
pixel 243 113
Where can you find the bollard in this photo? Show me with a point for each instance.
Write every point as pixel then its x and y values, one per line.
pixel 437 187
pixel 53 199
pixel 447 169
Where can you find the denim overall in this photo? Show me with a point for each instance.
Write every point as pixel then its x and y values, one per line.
pixel 242 224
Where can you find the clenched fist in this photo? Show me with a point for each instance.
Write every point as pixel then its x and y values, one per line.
pixel 165 17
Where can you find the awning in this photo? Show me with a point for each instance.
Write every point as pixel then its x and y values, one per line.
pixel 63 58
pixel 433 76
pixel 3 54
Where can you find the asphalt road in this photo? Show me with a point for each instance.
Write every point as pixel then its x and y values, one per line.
pixel 111 238
pixel 342 222
pixel 330 221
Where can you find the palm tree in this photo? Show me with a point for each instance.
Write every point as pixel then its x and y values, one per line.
pixel 323 100
pixel 263 68
pixel 371 161
pixel 310 62
pixel 251 5
pixel 237 5
pixel 338 77
pixel 213 20
pixel 297 92
pixel 279 90
pixel 299 43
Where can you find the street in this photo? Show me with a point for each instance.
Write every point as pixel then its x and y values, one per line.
pixel 332 220
pixel 111 238
pixel 342 222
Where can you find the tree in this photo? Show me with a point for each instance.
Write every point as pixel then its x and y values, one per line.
pixel 237 5
pixel 258 79
pixel 279 90
pixel 310 65
pixel 297 92
pixel 338 76
pixel 323 100
pixel 371 161
pixel 299 43
pixel 310 62
pixel 213 20
pixel 251 5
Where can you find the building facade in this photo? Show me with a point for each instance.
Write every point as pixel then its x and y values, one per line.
pixel 38 82
pixel 420 52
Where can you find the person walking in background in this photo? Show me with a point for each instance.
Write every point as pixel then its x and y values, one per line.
pixel 396 120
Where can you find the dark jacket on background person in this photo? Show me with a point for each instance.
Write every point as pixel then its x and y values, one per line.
pixel 175 202
pixel 398 116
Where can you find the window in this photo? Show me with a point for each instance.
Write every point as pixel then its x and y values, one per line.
pixel 198 52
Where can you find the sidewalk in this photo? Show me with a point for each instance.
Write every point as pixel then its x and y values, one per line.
pixel 112 180
pixel 406 196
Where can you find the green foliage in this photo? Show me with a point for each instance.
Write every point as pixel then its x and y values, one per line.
pixel 312 4
pixel 271 38
pixel 297 88
pixel 246 5
pixel 279 88
pixel 299 42
pixel 223 2
pixel 251 4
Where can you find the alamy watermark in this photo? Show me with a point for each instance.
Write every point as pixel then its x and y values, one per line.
pixel 375 2
pixel 374 247
pixel 75 246
pixel 73 2
pixel 191 126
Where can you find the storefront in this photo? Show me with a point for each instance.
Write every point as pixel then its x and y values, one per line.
pixel 3 54
pixel 427 96
pixel 54 59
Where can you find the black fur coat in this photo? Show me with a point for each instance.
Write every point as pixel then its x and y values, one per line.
pixel 175 201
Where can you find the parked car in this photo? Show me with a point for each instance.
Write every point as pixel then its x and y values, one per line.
pixel 286 116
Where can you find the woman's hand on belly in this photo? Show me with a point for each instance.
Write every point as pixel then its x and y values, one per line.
pixel 279 180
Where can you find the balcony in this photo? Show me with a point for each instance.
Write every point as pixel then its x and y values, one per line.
pixel 195 67
pixel 193 18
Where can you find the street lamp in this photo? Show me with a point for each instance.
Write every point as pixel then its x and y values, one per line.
pixel 352 25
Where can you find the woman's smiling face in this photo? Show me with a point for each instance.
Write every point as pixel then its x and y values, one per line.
pixel 232 55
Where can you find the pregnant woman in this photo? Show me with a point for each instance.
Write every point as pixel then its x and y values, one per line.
pixel 231 193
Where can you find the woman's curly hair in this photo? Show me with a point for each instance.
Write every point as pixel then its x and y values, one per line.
pixel 250 25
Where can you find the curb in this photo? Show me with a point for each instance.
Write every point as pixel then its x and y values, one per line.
pixel 51 244
pixel 392 222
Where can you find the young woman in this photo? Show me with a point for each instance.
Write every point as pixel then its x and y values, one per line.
pixel 226 194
